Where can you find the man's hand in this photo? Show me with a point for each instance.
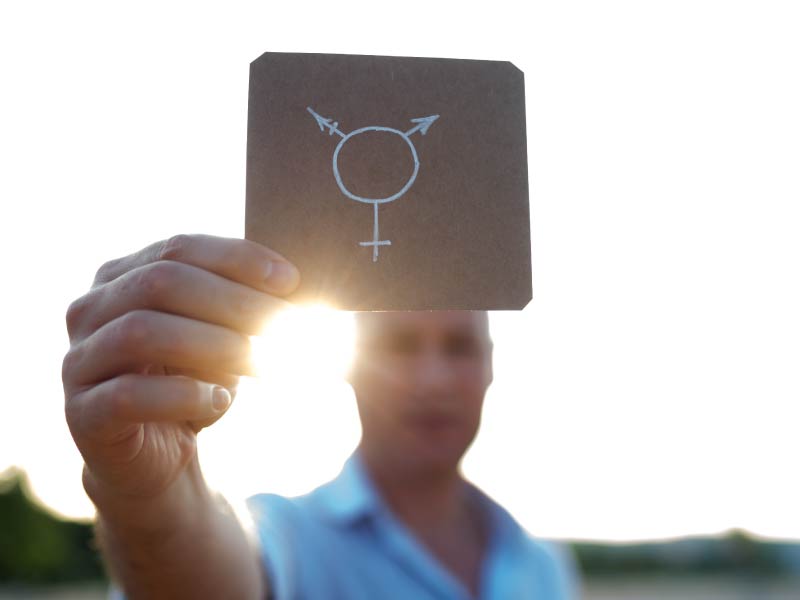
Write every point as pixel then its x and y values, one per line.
pixel 156 349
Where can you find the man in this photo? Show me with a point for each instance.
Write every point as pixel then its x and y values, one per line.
pixel 157 346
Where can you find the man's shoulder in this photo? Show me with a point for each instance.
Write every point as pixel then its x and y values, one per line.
pixel 325 504
pixel 270 508
pixel 550 552
pixel 547 560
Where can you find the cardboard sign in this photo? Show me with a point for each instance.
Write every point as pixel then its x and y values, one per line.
pixel 392 183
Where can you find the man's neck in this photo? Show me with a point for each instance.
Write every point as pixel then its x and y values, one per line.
pixel 420 498
pixel 439 509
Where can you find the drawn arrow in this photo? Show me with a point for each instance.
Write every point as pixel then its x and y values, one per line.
pixel 423 124
pixel 323 123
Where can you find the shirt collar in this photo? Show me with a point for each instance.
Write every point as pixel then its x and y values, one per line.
pixel 351 496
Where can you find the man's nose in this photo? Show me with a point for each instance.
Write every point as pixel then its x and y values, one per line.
pixel 432 373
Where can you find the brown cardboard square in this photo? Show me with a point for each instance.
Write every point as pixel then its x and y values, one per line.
pixel 393 183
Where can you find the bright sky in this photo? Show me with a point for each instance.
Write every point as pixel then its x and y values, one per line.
pixel 650 389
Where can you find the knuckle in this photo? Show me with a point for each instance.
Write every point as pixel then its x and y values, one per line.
pixel 246 304
pixel 76 313
pixel 69 364
pixel 232 254
pixel 73 412
pixel 121 398
pixel 106 271
pixel 237 257
pixel 154 281
pixel 132 330
pixel 175 247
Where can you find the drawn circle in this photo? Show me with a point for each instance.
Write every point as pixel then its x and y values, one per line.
pixel 351 195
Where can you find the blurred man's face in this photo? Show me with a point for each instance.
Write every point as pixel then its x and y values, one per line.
pixel 420 379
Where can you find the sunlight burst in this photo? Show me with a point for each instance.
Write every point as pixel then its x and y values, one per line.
pixel 305 342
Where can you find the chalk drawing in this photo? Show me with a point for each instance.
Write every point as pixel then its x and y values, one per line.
pixel 422 125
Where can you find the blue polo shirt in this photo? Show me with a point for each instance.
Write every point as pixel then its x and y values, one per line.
pixel 342 542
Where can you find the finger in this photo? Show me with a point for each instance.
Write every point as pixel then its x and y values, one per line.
pixel 176 288
pixel 226 380
pixel 103 410
pixel 142 337
pixel 229 382
pixel 241 260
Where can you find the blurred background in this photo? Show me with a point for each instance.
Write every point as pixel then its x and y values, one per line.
pixel 645 404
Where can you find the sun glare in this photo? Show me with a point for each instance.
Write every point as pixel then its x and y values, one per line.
pixel 295 422
pixel 305 342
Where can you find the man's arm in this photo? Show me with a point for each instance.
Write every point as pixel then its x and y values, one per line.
pixel 156 349
pixel 198 551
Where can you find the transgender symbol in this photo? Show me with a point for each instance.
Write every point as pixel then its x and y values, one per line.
pixel 422 125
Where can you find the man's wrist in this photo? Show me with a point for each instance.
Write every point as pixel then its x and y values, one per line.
pixel 181 505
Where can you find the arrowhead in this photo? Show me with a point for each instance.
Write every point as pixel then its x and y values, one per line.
pixel 425 123
pixel 321 121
